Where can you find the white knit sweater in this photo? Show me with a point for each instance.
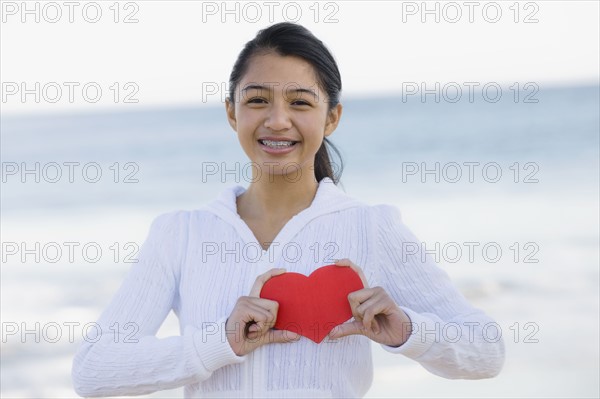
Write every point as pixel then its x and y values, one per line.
pixel 199 262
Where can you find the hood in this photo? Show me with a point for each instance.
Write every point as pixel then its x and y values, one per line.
pixel 328 198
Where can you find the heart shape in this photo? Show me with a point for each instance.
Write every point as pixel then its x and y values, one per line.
pixel 312 306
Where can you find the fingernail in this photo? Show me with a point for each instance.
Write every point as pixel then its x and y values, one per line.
pixel 293 337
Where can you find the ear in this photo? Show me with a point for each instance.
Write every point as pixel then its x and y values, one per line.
pixel 230 110
pixel 333 118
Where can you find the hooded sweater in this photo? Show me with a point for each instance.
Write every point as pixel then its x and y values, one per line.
pixel 198 263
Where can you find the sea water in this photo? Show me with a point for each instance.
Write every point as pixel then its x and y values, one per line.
pixel 510 176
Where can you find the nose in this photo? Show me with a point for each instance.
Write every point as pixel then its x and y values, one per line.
pixel 278 118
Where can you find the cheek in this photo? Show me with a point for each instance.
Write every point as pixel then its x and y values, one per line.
pixel 247 123
pixel 312 126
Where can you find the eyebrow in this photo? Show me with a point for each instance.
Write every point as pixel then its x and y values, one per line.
pixel 261 87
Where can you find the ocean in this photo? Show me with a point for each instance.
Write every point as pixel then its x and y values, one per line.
pixel 505 194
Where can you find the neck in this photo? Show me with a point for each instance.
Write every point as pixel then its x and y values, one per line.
pixel 275 197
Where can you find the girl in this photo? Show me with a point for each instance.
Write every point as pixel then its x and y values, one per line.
pixel 209 265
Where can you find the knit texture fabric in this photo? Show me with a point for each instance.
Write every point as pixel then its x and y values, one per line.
pixel 198 263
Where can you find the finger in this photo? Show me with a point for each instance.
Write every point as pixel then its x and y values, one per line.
pixel 371 307
pixel 363 295
pixel 348 263
pixel 351 328
pixel 262 279
pixel 354 302
pixel 369 310
pixel 269 309
pixel 281 336
pixel 375 326
pixel 357 298
pixel 251 331
pixel 343 262
pixel 266 304
pixel 259 325
pixel 255 312
pixel 254 330
pixel 255 318
pixel 262 324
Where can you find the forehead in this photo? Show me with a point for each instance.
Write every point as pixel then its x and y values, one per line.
pixel 270 68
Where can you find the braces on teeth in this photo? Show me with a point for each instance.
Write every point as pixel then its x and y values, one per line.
pixel 277 143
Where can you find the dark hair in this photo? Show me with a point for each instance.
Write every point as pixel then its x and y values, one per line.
pixel 287 38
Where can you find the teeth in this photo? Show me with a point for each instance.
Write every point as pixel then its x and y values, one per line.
pixel 277 144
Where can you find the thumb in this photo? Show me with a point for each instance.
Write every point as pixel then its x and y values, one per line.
pixel 281 336
pixel 351 328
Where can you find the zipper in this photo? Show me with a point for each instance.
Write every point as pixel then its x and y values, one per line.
pixel 254 375
pixel 250 374
pixel 255 372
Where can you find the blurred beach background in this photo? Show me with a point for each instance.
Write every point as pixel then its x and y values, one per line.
pixel 542 211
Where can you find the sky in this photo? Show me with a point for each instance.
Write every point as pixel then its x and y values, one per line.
pixel 92 56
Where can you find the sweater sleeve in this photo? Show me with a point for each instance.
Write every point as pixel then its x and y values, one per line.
pixel 450 337
pixel 122 355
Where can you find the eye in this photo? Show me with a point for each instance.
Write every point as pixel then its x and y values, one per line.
pixel 300 102
pixel 257 100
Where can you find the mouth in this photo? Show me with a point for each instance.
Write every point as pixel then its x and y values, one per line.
pixel 277 144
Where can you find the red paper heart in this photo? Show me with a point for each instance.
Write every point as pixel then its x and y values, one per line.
pixel 312 306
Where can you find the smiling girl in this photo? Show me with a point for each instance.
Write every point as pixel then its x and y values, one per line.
pixel 283 104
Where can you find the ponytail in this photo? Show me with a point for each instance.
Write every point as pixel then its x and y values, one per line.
pixel 323 165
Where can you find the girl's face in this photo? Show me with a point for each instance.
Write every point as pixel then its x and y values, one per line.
pixel 279 100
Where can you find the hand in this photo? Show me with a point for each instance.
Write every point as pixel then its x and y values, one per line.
pixel 249 324
pixel 376 315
